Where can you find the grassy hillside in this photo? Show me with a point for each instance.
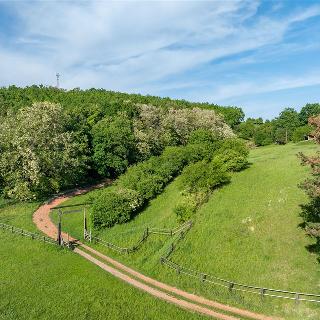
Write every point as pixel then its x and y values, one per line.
pixel 247 232
pixel 39 281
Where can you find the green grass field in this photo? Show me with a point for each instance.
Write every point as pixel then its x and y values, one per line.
pixel 247 232
pixel 41 281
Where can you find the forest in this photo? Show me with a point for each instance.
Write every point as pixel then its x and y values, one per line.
pixel 289 125
pixel 52 139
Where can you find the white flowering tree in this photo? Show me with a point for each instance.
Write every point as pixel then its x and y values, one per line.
pixel 157 127
pixel 37 154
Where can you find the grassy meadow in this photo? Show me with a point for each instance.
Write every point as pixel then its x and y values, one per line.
pixel 247 232
pixel 40 281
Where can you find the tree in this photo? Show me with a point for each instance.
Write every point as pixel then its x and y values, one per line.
pixel 311 212
pixel 264 134
pixel 309 110
pixel 285 125
pixel 301 133
pixel 246 129
pixel 38 155
pixel 113 145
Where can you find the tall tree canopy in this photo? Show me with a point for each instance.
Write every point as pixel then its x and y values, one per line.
pixel 309 110
pixel 113 145
pixel 38 155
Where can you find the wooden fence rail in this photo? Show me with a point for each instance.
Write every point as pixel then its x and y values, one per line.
pixel 145 235
pixel 231 285
pixel 32 235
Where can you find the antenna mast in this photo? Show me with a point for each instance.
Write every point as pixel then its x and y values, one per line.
pixel 58 77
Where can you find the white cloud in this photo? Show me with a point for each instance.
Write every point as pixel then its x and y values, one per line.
pixel 262 86
pixel 134 45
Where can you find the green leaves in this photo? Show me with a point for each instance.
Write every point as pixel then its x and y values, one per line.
pixel 38 155
pixel 113 145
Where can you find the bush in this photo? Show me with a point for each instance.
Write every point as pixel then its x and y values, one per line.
pixel 200 178
pixel 146 179
pixel 202 136
pixel 301 133
pixel 203 176
pixel 232 160
pixel 184 211
pixel 234 144
pixel 115 205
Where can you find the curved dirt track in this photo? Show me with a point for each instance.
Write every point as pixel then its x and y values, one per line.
pixel 157 289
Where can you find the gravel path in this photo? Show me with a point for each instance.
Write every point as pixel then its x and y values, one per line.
pixel 155 288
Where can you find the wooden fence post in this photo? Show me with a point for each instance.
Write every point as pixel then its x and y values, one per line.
pixel 178 270
pixel 203 277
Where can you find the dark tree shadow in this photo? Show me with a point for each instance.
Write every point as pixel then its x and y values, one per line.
pixel 311 224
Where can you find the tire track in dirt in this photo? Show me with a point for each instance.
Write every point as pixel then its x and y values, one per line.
pixel 41 218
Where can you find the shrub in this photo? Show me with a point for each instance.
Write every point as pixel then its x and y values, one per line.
pixel 115 205
pixel 232 160
pixel 150 177
pixel 237 145
pixel 202 136
pixel 203 176
pixel 147 179
pixel 184 211
pixel 301 133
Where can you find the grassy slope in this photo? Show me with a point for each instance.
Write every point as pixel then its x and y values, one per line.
pixel 38 281
pixel 247 232
pixel 249 229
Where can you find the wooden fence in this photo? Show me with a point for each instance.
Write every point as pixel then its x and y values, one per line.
pixel 146 233
pixel 231 285
pixel 32 235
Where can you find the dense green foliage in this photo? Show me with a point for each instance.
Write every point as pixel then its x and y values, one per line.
pixel 38 155
pixel 144 181
pixel 113 145
pixel 100 102
pixel 290 125
pixel 199 179
pixel 309 110
pixel 78 135
pixel 300 133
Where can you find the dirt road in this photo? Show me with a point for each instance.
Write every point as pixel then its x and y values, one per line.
pixel 153 287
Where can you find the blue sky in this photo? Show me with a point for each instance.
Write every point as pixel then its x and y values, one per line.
pixel 260 55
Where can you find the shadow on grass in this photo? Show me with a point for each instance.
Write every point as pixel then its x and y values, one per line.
pixel 311 224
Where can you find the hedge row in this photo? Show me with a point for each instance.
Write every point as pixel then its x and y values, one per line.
pixel 199 179
pixel 144 181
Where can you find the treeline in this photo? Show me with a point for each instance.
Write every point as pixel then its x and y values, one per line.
pixel 97 102
pixel 75 135
pixel 290 125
